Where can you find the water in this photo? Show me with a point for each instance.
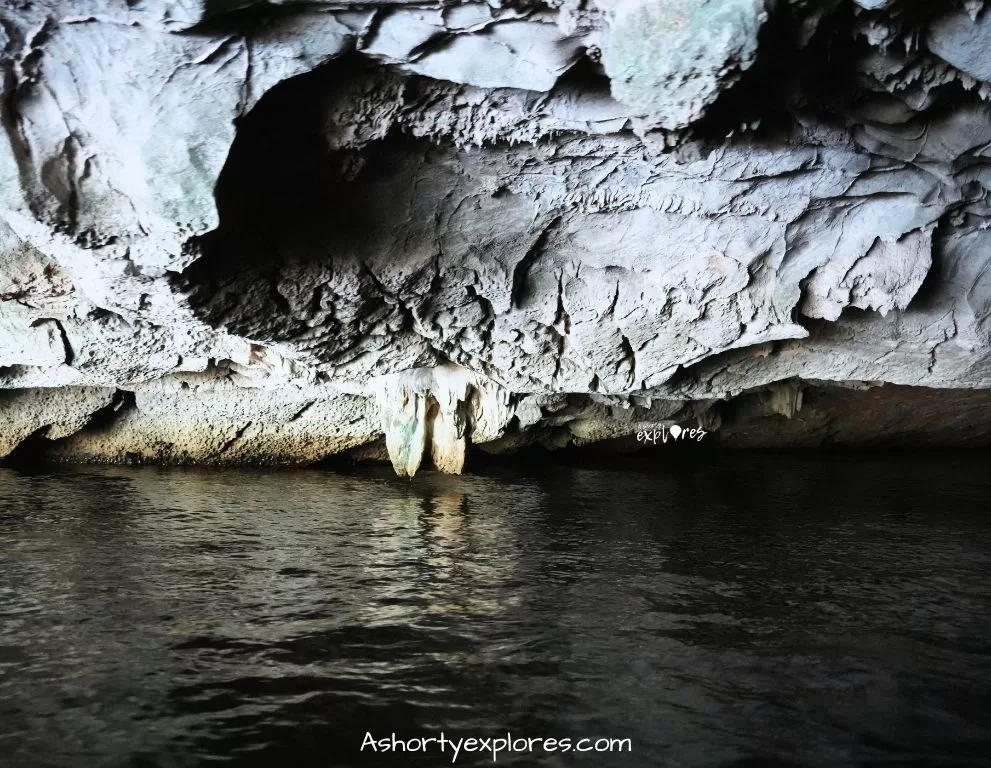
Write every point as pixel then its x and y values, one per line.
pixel 761 611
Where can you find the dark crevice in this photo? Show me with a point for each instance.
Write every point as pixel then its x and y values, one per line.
pixel 66 346
pixel 927 296
pixel 522 269
pixel 237 17
pixel 35 449
pixel 785 76
pixel 123 402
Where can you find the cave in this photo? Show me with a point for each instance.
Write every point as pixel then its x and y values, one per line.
pixel 445 299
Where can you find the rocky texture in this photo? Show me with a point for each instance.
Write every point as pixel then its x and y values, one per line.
pixel 48 413
pixel 879 417
pixel 671 60
pixel 272 232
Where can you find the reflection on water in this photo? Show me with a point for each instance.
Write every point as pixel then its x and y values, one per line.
pixel 769 612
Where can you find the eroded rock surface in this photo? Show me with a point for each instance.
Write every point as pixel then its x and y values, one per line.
pixel 275 232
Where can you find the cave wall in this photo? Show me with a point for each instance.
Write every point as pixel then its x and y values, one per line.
pixel 274 232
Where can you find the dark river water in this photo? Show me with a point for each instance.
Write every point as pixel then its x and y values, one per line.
pixel 751 611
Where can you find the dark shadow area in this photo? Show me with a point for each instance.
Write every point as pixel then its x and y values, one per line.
pixel 787 76
pixel 33 451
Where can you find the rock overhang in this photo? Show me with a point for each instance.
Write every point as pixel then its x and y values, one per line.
pixel 498 188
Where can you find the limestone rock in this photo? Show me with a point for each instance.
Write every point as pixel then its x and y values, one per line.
pixel 670 59
pixel 476 45
pixel 427 408
pixel 204 420
pixel 49 413
pixel 274 232
pixel 963 39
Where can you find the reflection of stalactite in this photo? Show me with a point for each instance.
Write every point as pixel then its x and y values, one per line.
pixel 438 406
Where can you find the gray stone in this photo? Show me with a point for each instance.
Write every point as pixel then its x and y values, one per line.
pixel 670 59
pixel 278 232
